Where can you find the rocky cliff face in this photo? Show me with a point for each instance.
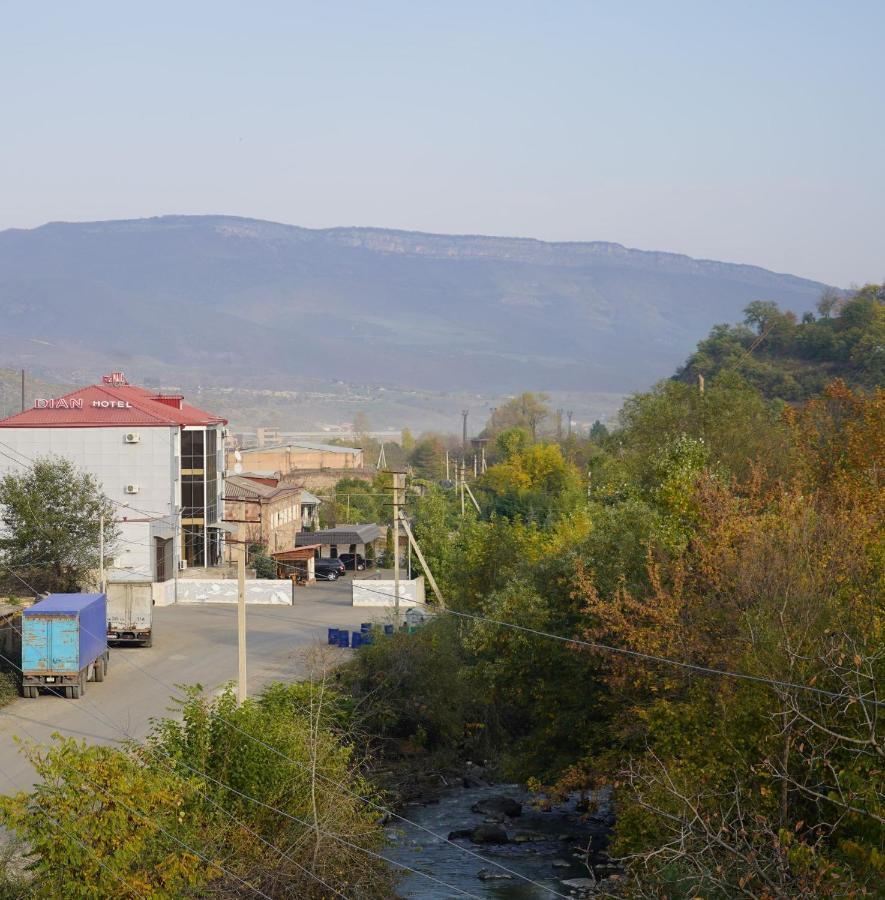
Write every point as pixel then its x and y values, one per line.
pixel 218 297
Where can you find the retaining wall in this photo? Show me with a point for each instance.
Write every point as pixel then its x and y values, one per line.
pixel 380 592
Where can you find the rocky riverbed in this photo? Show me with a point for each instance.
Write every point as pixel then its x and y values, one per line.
pixel 519 849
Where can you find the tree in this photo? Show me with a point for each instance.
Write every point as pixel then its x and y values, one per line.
pixel 526 411
pixel 407 441
pixel 51 517
pixel 428 457
pixel 759 313
pixel 264 565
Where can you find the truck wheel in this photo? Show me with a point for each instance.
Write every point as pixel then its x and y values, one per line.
pixel 74 691
pixel 98 669
pixel 149 642
pixel 29 693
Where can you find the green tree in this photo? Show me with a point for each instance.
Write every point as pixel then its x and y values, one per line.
pixel 51 515
pixel 137 830
pixel 527 411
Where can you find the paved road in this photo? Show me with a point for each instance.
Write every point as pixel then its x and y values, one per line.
pixel 192 643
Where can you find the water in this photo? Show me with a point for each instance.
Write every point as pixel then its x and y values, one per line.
pixel 558 835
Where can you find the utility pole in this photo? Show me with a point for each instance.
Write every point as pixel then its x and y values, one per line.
pixel 101 588
pixel 241 626
pixel 464 413
pixel 447 465
pixel 398 485
pixel 463 476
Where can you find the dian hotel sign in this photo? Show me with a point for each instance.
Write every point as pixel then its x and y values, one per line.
pixel 115 378
pixel 77 403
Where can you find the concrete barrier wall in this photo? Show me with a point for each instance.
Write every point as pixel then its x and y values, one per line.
pixel 224 590
pixel 377 592
pixel 163 592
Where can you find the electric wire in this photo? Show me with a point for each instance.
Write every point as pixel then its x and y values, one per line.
pixel 303 822
pixel 100 717
pixel 83 846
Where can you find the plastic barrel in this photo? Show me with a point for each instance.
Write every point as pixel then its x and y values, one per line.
pixel 333 637
pixel 388 629
pixel 356 640
pixel 343 638
pixel 365 627
pixel 368 639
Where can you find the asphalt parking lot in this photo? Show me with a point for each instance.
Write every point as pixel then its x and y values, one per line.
pixel 193 643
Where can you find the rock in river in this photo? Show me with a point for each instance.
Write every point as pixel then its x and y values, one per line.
pixel 498 806
pixel 488 834
pixel 493 875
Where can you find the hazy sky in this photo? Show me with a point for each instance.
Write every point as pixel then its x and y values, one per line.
pixel 743 131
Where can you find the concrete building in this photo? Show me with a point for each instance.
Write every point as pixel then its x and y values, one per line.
pixel 158 459
pixel 260 513
pixel 297 456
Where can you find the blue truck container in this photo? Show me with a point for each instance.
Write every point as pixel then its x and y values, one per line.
pixel 64 644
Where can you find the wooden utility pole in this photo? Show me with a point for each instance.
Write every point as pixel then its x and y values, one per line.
pixel 399 479
pixel 241 626
pixel 101 588
pixel 414 545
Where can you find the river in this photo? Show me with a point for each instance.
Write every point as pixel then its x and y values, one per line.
pixel 544 848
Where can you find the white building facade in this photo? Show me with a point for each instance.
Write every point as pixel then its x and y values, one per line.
pixel 159 461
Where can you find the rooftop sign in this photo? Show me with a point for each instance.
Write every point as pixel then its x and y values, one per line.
pixel 77 403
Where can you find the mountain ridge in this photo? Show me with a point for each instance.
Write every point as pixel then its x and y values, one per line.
pixel 191 297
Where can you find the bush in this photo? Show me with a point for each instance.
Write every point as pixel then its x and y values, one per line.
pixel 174 817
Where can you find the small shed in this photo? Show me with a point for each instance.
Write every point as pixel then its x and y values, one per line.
pixel 297 562
pixel 341 539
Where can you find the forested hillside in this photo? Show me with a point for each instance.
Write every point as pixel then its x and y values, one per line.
pixel 689 609
pixel 793 359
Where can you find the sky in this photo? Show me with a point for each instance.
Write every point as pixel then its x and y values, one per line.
pixel 741 131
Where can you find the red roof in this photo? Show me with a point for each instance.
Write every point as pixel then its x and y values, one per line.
pixel 107 406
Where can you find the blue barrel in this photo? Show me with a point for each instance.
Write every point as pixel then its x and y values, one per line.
pixel 356 640
pixel 368 639
pixel 343 637
pixel 388 629
pixel 365 628
pixel 333 637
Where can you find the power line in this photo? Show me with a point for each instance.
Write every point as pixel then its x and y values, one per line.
pixel 304 822
pixel 100 717
pixel 648 657
pixel 83 846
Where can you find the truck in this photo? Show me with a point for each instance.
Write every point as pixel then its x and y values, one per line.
pixel 64 644
pixel 130 612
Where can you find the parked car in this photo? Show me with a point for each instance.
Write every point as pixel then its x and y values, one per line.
pixel 348 560
pixel 327 569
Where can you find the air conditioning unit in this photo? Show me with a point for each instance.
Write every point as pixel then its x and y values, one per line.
pixel 132 437
pixel 182 564
pixel 131 488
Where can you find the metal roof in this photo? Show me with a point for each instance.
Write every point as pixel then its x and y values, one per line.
pixel 305 445
pixel 237 487
pixel 63 603
pixel 109 406
pixel 310 499
pixel 342 534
